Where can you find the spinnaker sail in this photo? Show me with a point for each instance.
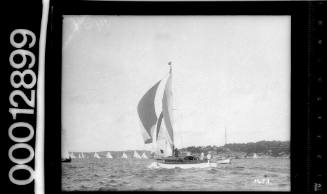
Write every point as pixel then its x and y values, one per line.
pixel 147 114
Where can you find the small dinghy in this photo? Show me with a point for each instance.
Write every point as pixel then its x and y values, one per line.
pixel 224 161
pixel 136 155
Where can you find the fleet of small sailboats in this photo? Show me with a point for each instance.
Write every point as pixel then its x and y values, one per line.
pixel 81 155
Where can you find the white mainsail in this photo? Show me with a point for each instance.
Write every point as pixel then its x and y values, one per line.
pixel 144 156
pixel 79 156
pixel 109 155
pixel 136 155
pixel 157 122
pixel 83 155
pixel 96 155
pixel 64 152
pixel 124 155
pixel 65 155
pixel 72 155
pixel 202 156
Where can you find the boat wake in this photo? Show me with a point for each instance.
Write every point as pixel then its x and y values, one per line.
pixel 154 165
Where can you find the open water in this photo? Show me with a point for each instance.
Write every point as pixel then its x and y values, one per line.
pixel 134 174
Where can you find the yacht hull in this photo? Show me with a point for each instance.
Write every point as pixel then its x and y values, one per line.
pixel 187 166
pixel 180 163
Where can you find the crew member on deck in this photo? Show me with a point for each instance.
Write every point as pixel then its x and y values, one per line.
pixel 209 156
pixel 202 156
pixel 176 152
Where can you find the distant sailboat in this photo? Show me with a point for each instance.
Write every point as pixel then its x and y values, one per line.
pixel 108 155
pixel 155 110
pixel 96 155
pixel 83 155
pixel 202 156
pixel 65 156
pixel 72 155
pixel 144 156
pixel 124 156
pixel 136 155
pixel 79 156
pixel 226 160
pixel 255 156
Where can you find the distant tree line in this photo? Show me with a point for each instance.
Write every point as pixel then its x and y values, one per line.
pixel 272 148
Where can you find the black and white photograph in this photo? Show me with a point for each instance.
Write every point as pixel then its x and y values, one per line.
pixel 176 103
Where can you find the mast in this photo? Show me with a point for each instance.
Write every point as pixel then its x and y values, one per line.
pixel 225 136
pixel 171 74
pixel 166 134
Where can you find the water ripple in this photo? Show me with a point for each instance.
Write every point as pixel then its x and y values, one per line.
pixel 124 175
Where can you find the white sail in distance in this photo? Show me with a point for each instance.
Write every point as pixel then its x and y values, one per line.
pixel 72 155
pixel 109 155
pixel 144 156
pixel 96 155
pixel 64 152
pixel 136 155
pixel 65 155
pixel 124 156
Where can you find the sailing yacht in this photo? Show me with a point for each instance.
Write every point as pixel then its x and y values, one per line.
pixel 226 160
pixel 96 155
pixel 72 155
pixel 136 155
pixel 144 156
pixel 109 155
pixel 155 113
pixel 124 156
pixel 66 157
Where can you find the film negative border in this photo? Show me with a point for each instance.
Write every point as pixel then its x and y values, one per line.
pixel 317 104
pixel 300 161
pixel 308 159
pixel 23 38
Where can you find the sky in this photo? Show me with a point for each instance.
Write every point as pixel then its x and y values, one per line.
pixel 229 72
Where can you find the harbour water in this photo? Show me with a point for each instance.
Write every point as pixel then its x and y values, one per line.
pixel 271 174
